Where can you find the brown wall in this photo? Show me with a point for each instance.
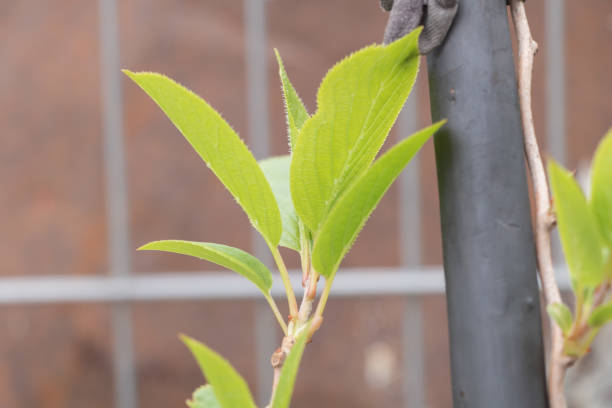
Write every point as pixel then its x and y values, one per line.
pixel 52 191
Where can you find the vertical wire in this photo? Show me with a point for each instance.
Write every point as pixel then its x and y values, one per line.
pixel 258 130
pixel 555 75
pixel 410 246
pixel 116 201
pixel 555 94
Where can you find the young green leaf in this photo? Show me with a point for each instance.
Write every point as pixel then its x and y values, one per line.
pixel 276 170
pixel 560 313
pixel 601 187
pixel 601 315
pixel 579 235
pixel 204 397
pixel 284 390
pixel 296 111
pixel 220 147
pixel 358 102
pixel 229 257
pixel 230 388
pixel 355 206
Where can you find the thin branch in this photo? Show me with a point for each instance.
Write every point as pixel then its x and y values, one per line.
pixel 277 360
pixel 310 293
pixel 527 48
pixel 277 314
pixel 323 300
pixel 282 269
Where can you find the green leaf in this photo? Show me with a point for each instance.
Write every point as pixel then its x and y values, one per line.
pixel 295 109
pixel 560 313
pixel 220 147
pixel 601 187
pixel 601 315
pixel 276 170
pixel 204 397
pixel 358 102
pixel 355 206
pixel 229 257
pixel 230 388
pixel 579 235
pixel 284 390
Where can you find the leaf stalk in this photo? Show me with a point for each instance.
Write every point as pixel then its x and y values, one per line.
pixel 282 269
pixel 323 300
pixel 277 313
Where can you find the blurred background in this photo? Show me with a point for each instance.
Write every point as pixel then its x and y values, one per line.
pixel 90 169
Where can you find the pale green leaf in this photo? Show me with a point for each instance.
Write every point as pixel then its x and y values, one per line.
pixel 561 314
pixel 355 206
pixel 220 147
pixel 295 109
pixel 357 103
pixel 601 187
pixel 232 258
pixel 580 238
pixel 276 170
pixel 601 315
pixel 284 390
pixel 230 388
pixel 204 397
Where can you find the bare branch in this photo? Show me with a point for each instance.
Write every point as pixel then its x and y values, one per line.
pixel 277 360
pixel 527 48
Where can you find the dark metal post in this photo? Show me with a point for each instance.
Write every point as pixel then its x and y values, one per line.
pixel 489 258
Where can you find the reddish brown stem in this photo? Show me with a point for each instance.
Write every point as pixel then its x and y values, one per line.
pixel 527 49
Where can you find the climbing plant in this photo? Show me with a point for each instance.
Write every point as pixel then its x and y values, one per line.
pixel 585 227
pixel 314 200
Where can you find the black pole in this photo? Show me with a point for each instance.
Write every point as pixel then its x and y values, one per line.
pixel 489 259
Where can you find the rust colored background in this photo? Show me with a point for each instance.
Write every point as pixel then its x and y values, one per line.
pixel 53 219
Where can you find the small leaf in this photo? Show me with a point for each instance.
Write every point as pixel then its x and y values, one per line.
pixel 579 235
pixel 276 170
pixel 601 187
pixel 295 109
pixel 220 147
pixel 355 206
pixel 560 313
pixel 358 102
pixel 284 390
pixel 230 388
pixel 204 397
pixel 601 315
pixel 232 258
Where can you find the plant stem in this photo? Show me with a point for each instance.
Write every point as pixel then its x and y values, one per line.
pixel 601 293
pixel 304 253
pixel 527 49
pixel 277 313
pixel 310 293
pixel 277 360
pixel 579 305
pixel 323 300
pixel 282 269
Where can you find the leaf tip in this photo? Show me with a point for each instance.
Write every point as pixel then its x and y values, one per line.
pixel 149 246
pixel 437 125
pixel 553 167
pixel 408 44
pixel 130 74
pixel 279 61
pixel 187 340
